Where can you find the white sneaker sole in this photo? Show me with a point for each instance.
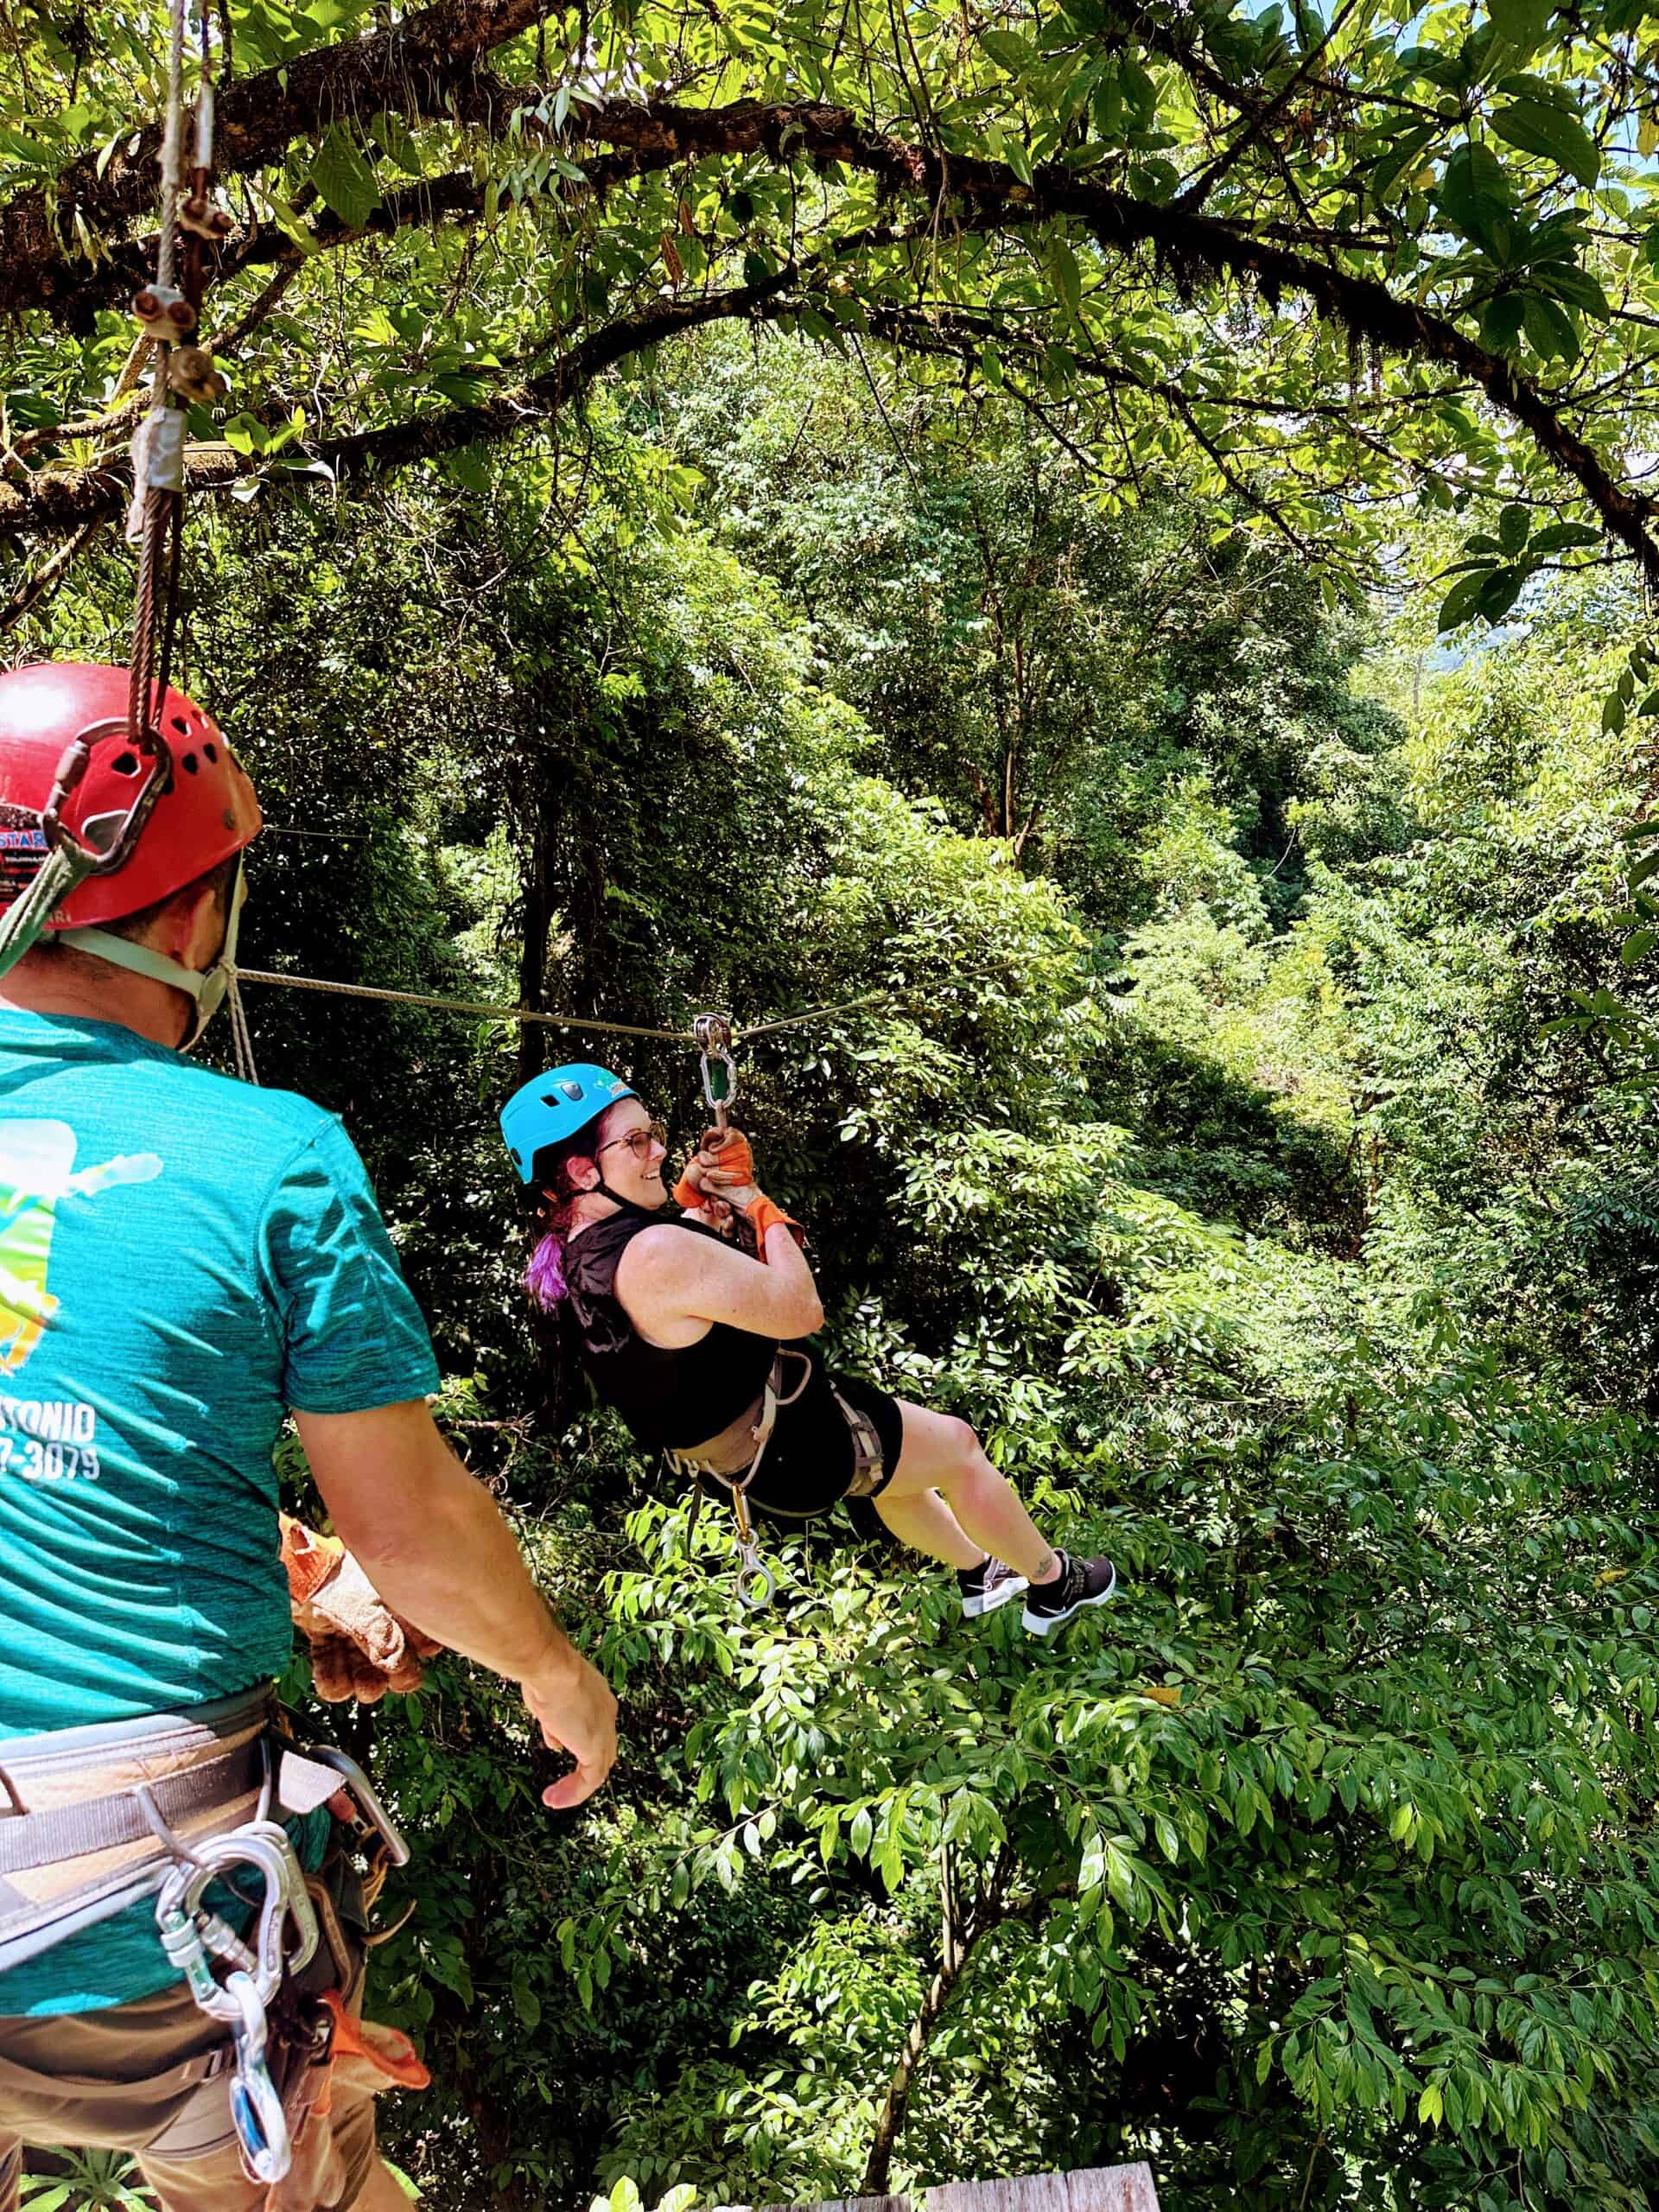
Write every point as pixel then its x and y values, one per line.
pixel 1044 1624
pixel 975 1609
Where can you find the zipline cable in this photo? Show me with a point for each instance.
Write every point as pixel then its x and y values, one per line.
pixel 474 1007
pixel 485 1010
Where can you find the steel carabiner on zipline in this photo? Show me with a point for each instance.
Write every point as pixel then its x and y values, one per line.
pixel 714 1035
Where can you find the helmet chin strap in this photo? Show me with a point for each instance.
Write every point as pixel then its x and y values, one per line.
pixel 628 1205
pixel 206 988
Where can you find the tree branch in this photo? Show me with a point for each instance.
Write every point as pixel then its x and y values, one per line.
pixel 56 500
pixel 36 589
pixel 960 1945
pixel 992 196
pixel 418 65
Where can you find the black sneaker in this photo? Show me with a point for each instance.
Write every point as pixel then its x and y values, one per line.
pixel 1080 1582
pixel 986 1587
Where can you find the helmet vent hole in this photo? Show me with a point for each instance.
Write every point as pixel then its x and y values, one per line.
pixel 189 764
pixel 125 764
pixel 212 752
pixel 180 725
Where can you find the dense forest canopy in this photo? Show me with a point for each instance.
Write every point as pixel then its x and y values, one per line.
pixel 1045 589
pixel 1339 269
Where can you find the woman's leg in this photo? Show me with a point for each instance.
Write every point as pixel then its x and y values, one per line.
pixel 927 1524
pixel 946 1491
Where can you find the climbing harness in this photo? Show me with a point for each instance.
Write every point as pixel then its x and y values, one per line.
pixel 139 1791
pixel 757 1585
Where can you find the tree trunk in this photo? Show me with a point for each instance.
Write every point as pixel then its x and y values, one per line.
pixel 957 1946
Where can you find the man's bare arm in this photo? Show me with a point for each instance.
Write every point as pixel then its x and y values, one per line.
pixel 431 1541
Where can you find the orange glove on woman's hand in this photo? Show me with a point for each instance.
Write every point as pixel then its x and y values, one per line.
pixel 725 1152
pixel 359 1647
pixel 724 1168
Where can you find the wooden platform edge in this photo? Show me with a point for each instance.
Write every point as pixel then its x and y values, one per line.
pixel 1093 2189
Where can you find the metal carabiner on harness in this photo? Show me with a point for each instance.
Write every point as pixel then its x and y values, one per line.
pixel 714 1035
pixel 752 1569
pixel 255 2109
pixel 188 1932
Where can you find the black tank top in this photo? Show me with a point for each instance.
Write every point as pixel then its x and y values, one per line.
pixel 670 1399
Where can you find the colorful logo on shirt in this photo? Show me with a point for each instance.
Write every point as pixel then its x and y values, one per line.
pixel 37 1162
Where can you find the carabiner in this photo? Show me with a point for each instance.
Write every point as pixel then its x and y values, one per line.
pixel 256 2108
pixel 363 1794
pixel 103 860
pixel 752 1569
pixel 714 1035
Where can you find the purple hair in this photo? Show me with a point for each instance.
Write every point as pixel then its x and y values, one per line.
pixel 544 1276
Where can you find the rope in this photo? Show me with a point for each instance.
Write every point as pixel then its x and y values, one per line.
pixel 24 919
pixel 740 1030
pixel 241 1035
pixel 468 1007
pixel 490 1012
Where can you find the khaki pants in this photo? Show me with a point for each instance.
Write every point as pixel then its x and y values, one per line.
pixel 152 2078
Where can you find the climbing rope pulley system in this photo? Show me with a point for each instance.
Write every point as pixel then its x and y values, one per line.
pixel 168 311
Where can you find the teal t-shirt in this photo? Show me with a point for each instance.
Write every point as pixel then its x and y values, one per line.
pixel 183 1257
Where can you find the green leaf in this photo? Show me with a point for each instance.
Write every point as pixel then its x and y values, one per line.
pixel 1612 716
pixel 1559 536
pixel 1068 277
pixel 1561 138
pixel 1499 593
pixel 1550 329
pixel 1011 53
pixel 1474 189
pixel 1513 525
pixel 1500 322
pixel 392 136
pixel 343 178
pixel 1567 281
pixel 1459 605
pixel 1521 22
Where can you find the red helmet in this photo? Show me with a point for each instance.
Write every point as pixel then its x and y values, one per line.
pixel 205 812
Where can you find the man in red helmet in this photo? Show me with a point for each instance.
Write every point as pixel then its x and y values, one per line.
pixel 184 1261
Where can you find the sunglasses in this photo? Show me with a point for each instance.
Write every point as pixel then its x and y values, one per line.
pixel 639 1141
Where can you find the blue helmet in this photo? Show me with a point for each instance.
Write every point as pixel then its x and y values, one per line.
pixel 551 1107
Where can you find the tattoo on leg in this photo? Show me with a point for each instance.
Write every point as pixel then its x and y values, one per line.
pixel 1045 1567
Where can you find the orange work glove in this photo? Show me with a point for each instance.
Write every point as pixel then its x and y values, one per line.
pixel 762 1215
pixel 723 1172
pixel 723 1152
pixel 359 1647
pixel 364 2059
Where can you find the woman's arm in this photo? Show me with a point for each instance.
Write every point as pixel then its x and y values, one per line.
pixel 668 1276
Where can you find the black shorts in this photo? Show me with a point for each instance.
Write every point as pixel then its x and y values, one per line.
pixel 809 1462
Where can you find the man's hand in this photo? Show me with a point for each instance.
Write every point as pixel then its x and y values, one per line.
pixel 576 1712
pixel 359 1647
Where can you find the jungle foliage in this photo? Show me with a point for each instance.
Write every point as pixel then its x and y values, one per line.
pixel 775 506
pixel 1229 1152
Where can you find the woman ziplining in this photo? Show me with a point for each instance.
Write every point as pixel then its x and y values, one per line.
pixel 704 1350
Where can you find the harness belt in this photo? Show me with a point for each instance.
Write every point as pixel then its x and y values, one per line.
pixel 179 1802
pixel 869 1463
pixel 756 1584
pixel 79 1794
